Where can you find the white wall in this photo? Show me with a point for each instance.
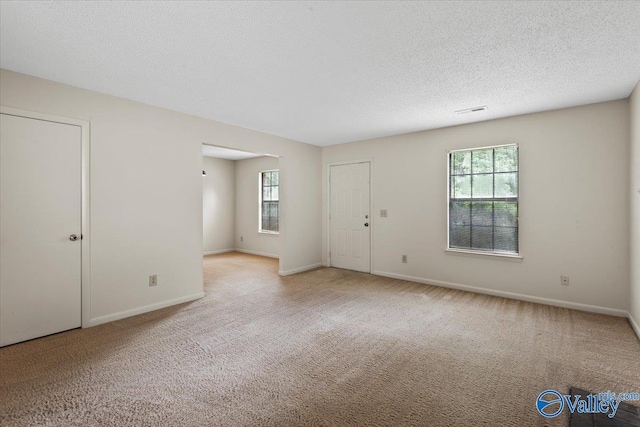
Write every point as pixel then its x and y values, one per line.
pixel 574 205
pixel 247 207
pixel 146 193
pixel 218 204
pixel 635 208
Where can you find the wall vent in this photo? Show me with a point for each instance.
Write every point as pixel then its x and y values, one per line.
pixel 472 110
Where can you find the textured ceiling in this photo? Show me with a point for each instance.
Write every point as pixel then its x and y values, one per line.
pixel 226 153
pixel 332 72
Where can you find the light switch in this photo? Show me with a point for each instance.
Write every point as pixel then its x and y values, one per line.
pixel 383 213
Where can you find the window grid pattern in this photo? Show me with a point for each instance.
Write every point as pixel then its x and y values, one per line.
pixel 483 199
pixel 270 201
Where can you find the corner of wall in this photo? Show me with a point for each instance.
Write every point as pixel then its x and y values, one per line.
pixel 634 253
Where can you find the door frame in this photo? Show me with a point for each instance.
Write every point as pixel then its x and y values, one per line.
pixel 371 221
pixel 85 127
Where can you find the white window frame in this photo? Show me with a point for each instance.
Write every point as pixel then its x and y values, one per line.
pixel 516 256
pixel 260 230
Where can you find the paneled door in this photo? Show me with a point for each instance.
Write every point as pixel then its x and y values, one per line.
pixel 40 227
pixel 350 222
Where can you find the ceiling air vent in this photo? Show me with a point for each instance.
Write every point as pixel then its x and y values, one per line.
pixel 472 110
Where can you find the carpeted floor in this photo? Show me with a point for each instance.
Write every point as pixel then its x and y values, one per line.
pixel 324 348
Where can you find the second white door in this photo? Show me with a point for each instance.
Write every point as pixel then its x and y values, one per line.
pixel 350 222
pixel 40 226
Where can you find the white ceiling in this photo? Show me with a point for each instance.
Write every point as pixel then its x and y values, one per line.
pixel 226 153
pixel 332 72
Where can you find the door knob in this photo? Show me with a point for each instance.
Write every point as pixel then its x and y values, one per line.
pixel 366 224
pixel 73 237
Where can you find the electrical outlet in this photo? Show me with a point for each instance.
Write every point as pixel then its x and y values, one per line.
pixel 564 280
pixel 404 259
pixel 383 213
pixel 153 280
pixel 242 238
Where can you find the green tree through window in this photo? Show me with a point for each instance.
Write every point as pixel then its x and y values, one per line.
pixel 483 199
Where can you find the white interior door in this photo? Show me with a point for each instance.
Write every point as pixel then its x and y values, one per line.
pixel 40 208
pixel 350 217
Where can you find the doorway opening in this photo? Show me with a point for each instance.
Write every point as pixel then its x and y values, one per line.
pixel 240 202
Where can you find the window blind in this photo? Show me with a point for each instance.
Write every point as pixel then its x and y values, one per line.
pixel 483 199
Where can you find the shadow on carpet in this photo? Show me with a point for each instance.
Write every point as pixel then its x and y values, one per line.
pixel 626 415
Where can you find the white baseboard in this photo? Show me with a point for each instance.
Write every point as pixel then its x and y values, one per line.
pixel 510 295
pixel 221 251
pixel 635 325
pixel 299 270
pixel 245 251
pixel 145 309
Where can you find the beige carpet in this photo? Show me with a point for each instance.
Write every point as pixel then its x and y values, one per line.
pixel 326 347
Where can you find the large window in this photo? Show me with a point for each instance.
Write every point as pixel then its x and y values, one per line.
pixel 483 199
pixel 269 202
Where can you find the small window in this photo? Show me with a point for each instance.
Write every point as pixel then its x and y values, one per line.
pixel 269 202
pixel 483 200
